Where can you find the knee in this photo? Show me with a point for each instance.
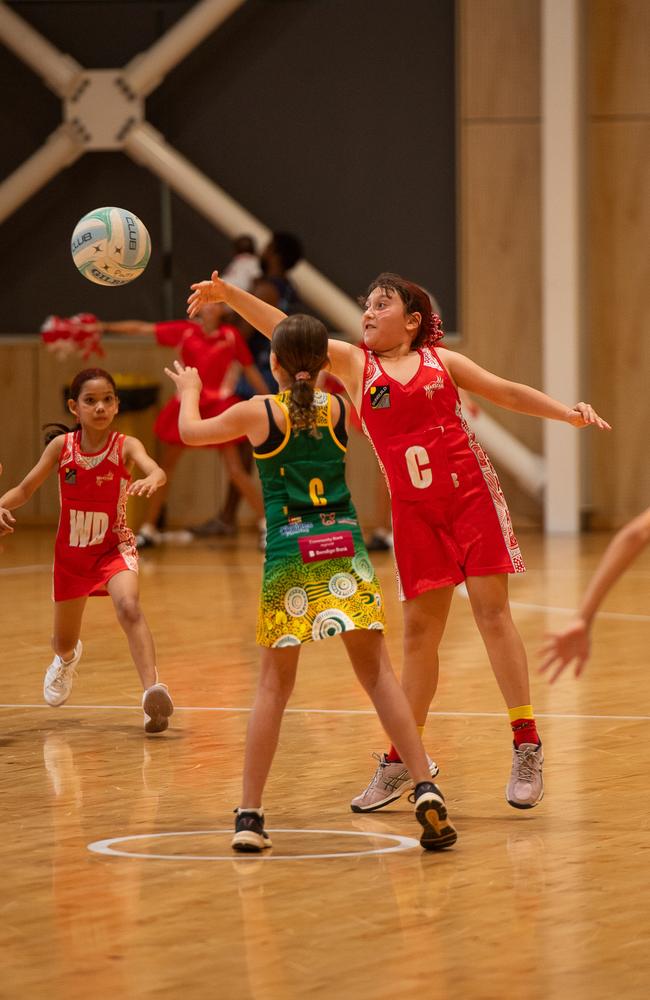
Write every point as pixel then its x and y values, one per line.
pixel 128 611
pixel 494 618
pixel 278 685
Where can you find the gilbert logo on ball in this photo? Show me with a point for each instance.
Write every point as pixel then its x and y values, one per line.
pixel 110 246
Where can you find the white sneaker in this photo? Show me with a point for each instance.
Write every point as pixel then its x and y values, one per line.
pixel 59 678
pixel 526 786
pixel 157 706
pixel 388 783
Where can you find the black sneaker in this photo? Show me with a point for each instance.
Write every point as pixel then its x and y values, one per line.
pixel 250 834
pixel 431 813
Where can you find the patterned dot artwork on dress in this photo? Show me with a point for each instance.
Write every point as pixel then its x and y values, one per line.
pixel 307 602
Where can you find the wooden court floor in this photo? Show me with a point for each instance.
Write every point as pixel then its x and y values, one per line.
pixel 118 880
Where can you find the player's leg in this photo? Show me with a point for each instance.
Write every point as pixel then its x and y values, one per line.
pixel 369 656
pixel 276 681
pixel 425 617
pixel 156 701
pixel 491 608
pixel 60 674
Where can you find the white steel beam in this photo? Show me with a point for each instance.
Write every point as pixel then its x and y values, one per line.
pixel 60 72
pixel 148 69
pixel 60 149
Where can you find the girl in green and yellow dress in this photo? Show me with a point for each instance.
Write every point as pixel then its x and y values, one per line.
pixel 318 580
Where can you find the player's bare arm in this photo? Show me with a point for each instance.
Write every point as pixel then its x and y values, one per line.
pixel 19 495
pixel 154 477
pixel 516 396
pixel 260 314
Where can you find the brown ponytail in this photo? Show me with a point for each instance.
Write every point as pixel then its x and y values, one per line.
pixel 299 343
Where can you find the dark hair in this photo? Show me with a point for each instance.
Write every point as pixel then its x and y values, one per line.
pixel 288 249
pixel 300 343
pixel 77 384
pixel 243 244
pixel 415 299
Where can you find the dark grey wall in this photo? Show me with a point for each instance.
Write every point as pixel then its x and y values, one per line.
pixel 333 119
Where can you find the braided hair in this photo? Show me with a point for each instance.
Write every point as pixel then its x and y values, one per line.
pixel 415 299
pixel 299 343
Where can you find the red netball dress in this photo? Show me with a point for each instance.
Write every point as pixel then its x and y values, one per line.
pixel 211 354
pixel 450 518
pixel 93 541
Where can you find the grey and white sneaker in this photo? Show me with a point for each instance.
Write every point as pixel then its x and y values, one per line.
pixel 59 677
pixel 250 835
pixel 157 706
pixel 388 783
pixel 526 786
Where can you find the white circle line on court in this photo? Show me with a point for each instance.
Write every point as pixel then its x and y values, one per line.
pixel 462 590
pixel 329 711
pixel 105 847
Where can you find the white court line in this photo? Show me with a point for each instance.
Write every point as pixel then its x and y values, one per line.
pixel 331 711
pixel 462 590
pixel 105 846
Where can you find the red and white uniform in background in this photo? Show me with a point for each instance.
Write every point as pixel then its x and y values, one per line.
pixel 93 540
pixel 450 518
pixel 212 354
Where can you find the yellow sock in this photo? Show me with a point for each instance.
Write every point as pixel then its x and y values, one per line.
pixel 420 730
pixel 521 712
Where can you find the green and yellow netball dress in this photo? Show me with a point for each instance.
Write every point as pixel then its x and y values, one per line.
pixel 318 579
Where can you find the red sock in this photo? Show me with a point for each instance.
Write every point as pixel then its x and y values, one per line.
pixel 392 756
pixel 524 731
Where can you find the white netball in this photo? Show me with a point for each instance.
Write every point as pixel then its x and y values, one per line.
pixel 110 246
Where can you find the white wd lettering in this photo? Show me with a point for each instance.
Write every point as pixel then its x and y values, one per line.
pixel 419 467
pixel 87 527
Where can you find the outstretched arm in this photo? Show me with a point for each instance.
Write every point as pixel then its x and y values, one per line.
pixel 236 422
pixel 516 396
pixel 129 327
pixel 346 359
pixel 560 649
pixel 260 314
pixel 154 476
pixel 20 494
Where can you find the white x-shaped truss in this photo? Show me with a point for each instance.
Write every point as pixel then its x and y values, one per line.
pixel 103 109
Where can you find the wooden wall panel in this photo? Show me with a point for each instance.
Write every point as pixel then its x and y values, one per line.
pixel 18 431
pixel 499 58
pixel 619 315
pixel 500 245
pixel 618 57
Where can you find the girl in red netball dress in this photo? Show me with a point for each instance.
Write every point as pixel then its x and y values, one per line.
pixel 450 518
pixel 94 551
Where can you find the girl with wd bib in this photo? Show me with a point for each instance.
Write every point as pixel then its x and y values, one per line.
pixel 94 551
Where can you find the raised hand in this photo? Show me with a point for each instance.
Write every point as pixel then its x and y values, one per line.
pixel 184 378
pixel 204 292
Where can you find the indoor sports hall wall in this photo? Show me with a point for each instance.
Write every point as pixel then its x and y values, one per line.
pixel 499 203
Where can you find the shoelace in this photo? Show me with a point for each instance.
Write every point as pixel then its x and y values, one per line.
pixel 63 671
pixel 526 764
